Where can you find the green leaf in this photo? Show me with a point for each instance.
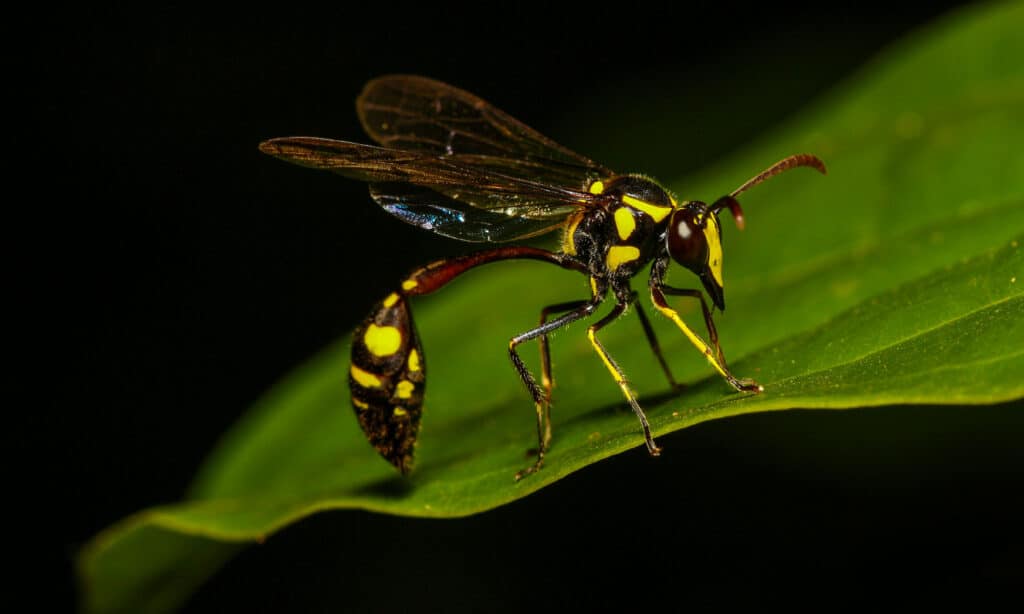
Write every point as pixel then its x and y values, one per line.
pixel 897 278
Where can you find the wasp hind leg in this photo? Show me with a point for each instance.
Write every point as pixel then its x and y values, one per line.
pixel 541 398
pixel 546 378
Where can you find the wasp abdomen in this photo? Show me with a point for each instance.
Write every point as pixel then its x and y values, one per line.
pixel 387 380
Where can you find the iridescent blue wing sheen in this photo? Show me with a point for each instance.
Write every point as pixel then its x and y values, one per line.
pixel 438 213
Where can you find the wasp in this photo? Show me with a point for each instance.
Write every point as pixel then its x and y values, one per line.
pixel 453 164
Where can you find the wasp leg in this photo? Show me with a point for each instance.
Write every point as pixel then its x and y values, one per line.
pixel 620 377
pixel 539 397
pixel 655 346
pixel 545 362
pixel 708 321
pixel 716 358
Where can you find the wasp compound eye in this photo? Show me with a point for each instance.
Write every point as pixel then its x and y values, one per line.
pixel 686 241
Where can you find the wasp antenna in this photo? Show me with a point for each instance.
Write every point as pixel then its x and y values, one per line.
pixel 782 165
pixel 730 202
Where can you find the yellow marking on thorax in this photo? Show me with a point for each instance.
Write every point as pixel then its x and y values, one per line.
pixel 597 187
pixel 568 240
pixel 404 389
pixel 364 378
pixel 657 212
pixel 621 254
pixel 360 404
pixel 414 360
pixel 625 223
pixel 382 340
pixel 713 234
pixel 391 300
pixel 400 413
pixel 409 284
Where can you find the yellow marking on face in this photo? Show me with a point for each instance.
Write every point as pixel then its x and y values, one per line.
pixel 713 234
pixel 365 378
pixel 414 360
pixel 391 299
pixel 360 404
pixel 621 254
pixel 657 212
pixel 400 413
pixel 625 223
pixel 404 389
pixel 568 240
pixel 694 339
pixel 382 340
pixel 409 284
pixel 597 187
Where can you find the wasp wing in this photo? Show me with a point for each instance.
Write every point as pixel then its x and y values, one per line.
pixel 445 216
pixel 416 113
pixel 487 196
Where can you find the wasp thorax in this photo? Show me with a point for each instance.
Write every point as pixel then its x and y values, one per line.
pixel 642 188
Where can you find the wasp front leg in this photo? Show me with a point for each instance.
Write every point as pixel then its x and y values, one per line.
pixel 714 356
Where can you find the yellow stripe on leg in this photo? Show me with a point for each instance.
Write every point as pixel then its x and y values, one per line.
pixel 612 368
pixel 694 339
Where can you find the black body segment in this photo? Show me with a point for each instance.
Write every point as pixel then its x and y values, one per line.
pixel 387 379
pixel 452 164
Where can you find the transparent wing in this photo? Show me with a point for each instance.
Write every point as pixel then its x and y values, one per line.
pixel 489 196
pixel 416 113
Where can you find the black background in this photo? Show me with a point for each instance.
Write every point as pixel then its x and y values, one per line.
pixel 181 272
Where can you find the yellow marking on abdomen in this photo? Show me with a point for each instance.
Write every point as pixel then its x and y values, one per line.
pixel 365 378
pixel 399 412
pixel 621 254
pixel 409 284
pixel 360 404
pixel 404 389
pixel 382 340
pixel 657 212
pixel 391 299
pixel 625 223
pixel 414 360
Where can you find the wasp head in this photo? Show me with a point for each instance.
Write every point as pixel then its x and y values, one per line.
pixel 694 239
